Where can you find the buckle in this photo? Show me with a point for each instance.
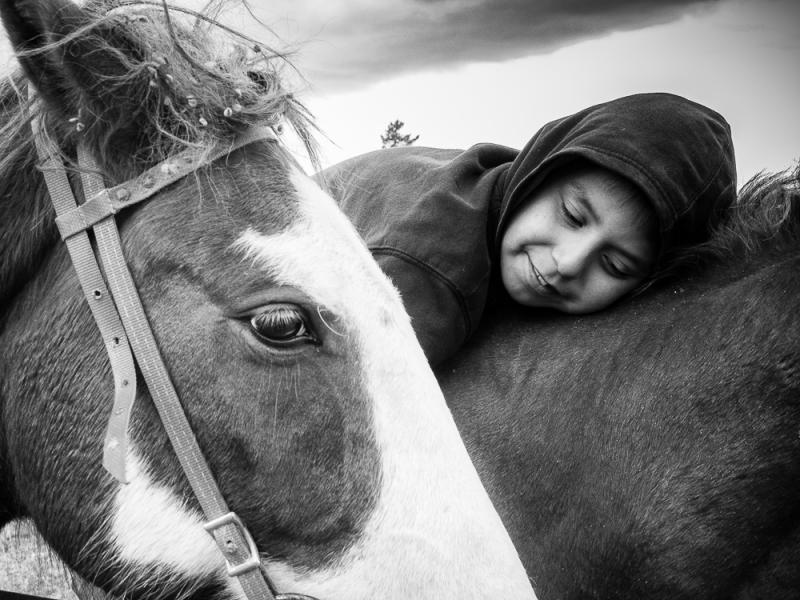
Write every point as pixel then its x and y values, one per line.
pixel 253 561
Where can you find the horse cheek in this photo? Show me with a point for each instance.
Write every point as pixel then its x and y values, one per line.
pixel 55 436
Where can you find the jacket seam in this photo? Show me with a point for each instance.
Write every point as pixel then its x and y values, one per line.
pixel 462 305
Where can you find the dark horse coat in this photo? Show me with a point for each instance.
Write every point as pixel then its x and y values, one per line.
pixel 653 450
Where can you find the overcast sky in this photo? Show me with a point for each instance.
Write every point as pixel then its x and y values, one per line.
pixel 458 72
pixel 352 43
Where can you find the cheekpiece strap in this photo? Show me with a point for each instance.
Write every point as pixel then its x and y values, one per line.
pixel 232 538
pixel 93 285
pixel 126 331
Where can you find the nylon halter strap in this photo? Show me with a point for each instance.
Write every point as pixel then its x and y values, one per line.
pixel 126 332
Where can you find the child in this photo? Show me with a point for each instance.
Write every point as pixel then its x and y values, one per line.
pixel 596 205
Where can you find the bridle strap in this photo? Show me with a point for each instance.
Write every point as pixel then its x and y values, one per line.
pixel 103 202
pixel 115 446
pixel 233 539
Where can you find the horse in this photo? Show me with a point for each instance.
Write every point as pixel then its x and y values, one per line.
pixel 294 361
pixel 652 451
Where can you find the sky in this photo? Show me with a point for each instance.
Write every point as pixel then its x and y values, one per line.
pixel 459 72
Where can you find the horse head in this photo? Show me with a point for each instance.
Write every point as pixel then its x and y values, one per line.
pixel 295 363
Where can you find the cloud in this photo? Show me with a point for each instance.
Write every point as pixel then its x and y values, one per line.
pixel 349 44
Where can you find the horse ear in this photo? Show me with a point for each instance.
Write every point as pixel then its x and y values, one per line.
pixel 66 64
pixel 25 23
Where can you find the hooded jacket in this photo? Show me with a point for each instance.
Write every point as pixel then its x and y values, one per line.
pixel 434 219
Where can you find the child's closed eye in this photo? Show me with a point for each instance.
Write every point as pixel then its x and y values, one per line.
pixel 617 268
pixel 571 214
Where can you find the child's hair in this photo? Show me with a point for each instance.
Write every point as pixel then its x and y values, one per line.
pixel 620 187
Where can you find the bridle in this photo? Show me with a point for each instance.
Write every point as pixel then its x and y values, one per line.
pixel 128 337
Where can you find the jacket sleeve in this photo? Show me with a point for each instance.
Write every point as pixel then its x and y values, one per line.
pixel 438 316
pixel 387 196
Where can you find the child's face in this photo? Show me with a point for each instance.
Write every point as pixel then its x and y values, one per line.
pixel 576 246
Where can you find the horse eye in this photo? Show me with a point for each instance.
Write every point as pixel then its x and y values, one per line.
pixel 282 325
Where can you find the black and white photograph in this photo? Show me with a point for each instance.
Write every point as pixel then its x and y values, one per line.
pixel 401 300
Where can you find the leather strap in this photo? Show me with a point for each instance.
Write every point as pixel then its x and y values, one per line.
pixel 104 202
pixel 233 542
pixel 115 446
pixel 233 539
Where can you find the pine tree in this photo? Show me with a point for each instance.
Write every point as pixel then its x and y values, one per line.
pixel 393 137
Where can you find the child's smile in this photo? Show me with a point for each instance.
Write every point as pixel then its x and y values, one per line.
pixel 545 287
pixel 577 245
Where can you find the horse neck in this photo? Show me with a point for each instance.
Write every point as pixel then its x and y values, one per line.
pixel 27 231
pixel 27 227
pixel 774 256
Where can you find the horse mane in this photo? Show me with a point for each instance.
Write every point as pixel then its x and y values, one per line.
pixel 764 220
pixel 763 223
pixel 194 82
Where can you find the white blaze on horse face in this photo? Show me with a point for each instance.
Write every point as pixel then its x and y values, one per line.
pixel 151 527
pixel 434 532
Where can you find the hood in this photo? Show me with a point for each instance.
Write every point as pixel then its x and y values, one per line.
pixel 679 153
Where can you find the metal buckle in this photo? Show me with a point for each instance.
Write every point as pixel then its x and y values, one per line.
pixel 253 561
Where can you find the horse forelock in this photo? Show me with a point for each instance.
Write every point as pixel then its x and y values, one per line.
pixel 167 78
pixel 187 85
pixel 180 85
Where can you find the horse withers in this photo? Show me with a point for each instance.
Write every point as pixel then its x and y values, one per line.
pixel 294 361
pixel 653 451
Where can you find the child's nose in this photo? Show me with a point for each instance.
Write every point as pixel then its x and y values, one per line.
pixel 572 256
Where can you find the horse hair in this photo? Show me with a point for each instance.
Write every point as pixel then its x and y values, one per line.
pixel 767 212
pixel 764 221
pixel 190 88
